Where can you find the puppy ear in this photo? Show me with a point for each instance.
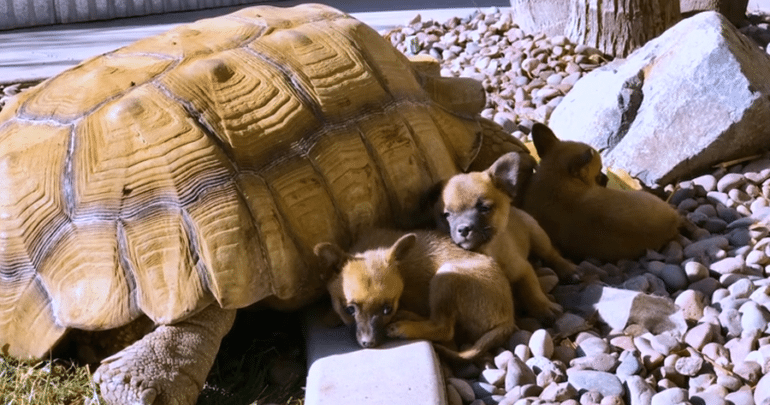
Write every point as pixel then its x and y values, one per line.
pixel 402 246
pixel 543 138
pixel 512 171
pixel 330 256
pixel 577 163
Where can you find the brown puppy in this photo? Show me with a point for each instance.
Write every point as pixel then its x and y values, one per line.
pixel 568 197
pixel 419 286
pixel 478 213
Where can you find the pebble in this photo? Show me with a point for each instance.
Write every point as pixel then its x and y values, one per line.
pixel 692 304
pixel 670 396
pixel 541 343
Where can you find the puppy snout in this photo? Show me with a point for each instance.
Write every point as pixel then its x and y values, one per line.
pixel 464 230
pixel 367 343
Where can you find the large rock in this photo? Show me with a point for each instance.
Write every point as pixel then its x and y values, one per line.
pixel 620 308
pixel 697 95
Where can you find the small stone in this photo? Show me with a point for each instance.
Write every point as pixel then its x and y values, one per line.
pixel 558 392
pixel 639 391
pixel 630 364
pixel 691 303
pixel 569 324
pixel 741 288
pixel 730 319
pixel 597 362
pixel 522 352
pixel 750 371
pixel 728 265
pixel 700 335
pixel 695 271
pixel 670 396
pixel 707 286
pixel 493 376
pixel 740 347
pixel 482 389
pixel 599 381
pixel 762 392
pixel 501 360
pixel 717 353
pixel 740 397
pixel 463 389
pixel 754 317
pixel 731 382
pixel 563 353
pixel 701 247
pixel 453 397
pixel 730 181
pixel 716 197
pixel 650 356
pixel 518 374
pixel 541 343
pixel 664 343
pixel 689 365
pixel 591 346
pixel 707 182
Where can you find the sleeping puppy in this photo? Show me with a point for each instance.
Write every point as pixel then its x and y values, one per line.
pixel 477 211
pixel 568 197
pixel 419 285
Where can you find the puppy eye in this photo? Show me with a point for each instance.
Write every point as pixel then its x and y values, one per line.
pixel 350 309
pixel 386 309
pixel 447 214
pixel 483 208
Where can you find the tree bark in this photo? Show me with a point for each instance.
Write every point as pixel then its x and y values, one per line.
pixel 617 27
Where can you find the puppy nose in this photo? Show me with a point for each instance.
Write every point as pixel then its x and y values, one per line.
pixel 366 343
pixel 464 230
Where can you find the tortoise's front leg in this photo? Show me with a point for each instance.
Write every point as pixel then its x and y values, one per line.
pixel 168 365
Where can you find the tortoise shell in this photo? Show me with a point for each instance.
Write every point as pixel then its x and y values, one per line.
pixel 202 165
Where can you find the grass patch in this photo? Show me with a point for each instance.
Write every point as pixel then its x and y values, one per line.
pixel 261 361
pixel 49 382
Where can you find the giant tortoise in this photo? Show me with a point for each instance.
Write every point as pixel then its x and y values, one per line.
pixel 190 174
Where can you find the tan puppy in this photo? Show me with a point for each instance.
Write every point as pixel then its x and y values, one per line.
pixel 479 216
pixel 585 219
pixel 419 286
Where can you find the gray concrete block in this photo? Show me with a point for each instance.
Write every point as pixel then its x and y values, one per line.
pixel 340 372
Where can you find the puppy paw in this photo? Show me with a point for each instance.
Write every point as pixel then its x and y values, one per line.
pixel 403 330
pixel 396 330
pixel 548 311
pixel 569 273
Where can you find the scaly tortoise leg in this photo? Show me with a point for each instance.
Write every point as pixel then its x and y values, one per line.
pixel 168 365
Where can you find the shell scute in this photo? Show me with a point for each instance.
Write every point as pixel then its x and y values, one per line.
pixel 63 99
pixel 255 114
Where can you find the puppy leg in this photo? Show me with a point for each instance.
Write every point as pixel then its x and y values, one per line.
pixel 542 247
pixel 440 327
pixel 529 292
pixel 436 329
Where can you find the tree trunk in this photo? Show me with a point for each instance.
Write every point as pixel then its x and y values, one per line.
pixel 617 27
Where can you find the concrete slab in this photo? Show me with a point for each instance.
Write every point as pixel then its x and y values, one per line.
pixel 341 372
pixel 38 53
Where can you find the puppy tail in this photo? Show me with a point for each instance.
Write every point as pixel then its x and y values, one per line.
pixel 486 342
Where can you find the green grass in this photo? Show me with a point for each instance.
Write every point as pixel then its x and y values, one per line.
pixel 53 382
pixel 261 361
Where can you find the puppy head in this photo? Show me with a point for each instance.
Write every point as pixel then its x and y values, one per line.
pixel 367 286
pixel 568 159
pixel 474 208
